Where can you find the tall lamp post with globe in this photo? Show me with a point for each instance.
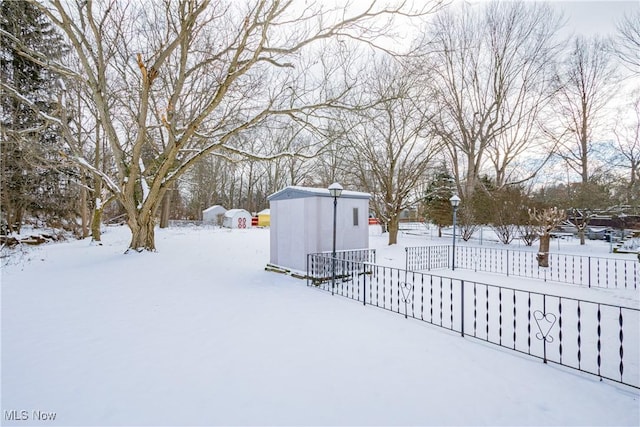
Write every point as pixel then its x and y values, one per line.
pixel 455 202
pixel 335 190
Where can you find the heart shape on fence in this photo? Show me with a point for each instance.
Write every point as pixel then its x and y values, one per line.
pixel 407 290
pixel 545 322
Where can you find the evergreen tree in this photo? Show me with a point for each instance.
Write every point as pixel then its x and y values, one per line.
pixel 33 179
pixel 436 206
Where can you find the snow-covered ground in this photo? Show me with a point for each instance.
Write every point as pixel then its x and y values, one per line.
pixel 200 334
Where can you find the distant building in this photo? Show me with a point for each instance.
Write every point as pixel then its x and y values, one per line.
pixel 264 218
pixel 237 218
pixel 213 215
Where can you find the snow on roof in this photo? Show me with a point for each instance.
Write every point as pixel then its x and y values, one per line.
pixel 233 212
pixel 214 208
pixel 265 212
pixel 296 192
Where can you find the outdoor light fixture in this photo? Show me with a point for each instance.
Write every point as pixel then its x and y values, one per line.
pixel 335 190
pixel 455 201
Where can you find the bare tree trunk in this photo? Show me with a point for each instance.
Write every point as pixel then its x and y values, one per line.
pixel 17 218
pixel 8 211
pixel 547 220
pixel 543 251
pixel 142 234
pixel 84 214
pixel 95 221
pixel 165 209
pixel 98 207
pixel 250 184
pixel 141 219
pixel 393 227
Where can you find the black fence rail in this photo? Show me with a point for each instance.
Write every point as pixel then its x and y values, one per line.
pixel 427 257
pixel 588 336
pixel 572 269
pixel 325 268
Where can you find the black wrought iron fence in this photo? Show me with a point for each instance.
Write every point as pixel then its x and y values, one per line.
pixel 326 268
pixel 427 257
pixel 573 269
pixel 596 338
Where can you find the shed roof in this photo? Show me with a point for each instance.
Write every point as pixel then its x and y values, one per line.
pixel 214 208
pixel 232 212
pixel 295 192
pixel 265 212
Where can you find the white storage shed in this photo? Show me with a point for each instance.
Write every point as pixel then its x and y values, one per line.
pixel 237 218
pixel 302 223
pixel 213 215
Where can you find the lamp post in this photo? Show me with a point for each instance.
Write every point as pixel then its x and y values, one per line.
pixel 455 201
pixel 335 190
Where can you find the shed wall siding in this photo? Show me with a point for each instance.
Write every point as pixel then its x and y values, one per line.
pixel 300 226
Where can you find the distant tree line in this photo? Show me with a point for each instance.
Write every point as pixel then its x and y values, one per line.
pixel 150 112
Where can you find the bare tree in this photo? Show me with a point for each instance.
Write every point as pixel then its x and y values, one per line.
pixel 491 79
pixel 390 150
pixel 627 45
pixel 627 135
pixel 469 223
pixel 585 84
pixel 546 220
pixel 85 137
pixel 508 210
pixel 176 80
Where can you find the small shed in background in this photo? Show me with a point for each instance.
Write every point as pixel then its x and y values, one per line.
pixel 302 223
pixel 264 218
pixel 237 218
pixel 213 215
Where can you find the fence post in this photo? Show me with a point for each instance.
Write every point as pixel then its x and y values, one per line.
pixel 507 262
pixel 462 308
pixel 589 275
pixel 406 258
pixel 364 284
pixel 544 338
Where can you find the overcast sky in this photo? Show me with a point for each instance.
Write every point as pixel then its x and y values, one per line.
pixel 587 17
pixel 591 17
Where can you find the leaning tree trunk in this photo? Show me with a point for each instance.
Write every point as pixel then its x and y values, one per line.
pixel 543 252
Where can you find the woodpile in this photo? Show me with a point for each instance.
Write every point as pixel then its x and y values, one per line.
pixel 33 239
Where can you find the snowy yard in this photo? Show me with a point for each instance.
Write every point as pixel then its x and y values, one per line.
pixel 200 334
